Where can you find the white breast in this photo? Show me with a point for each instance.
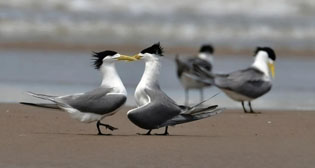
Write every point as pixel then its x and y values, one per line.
pixel 140 96
pixel 148 80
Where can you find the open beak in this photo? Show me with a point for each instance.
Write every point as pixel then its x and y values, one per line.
pixel 126 58
pixel 272 69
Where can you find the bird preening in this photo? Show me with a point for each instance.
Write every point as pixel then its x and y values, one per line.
pixel 154 108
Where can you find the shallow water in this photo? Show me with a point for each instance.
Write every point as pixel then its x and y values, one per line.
pixel 63 72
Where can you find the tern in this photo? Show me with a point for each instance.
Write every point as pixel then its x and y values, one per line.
pixel 186 74
pixel 247 84
pixel 96 104
pixel 155 109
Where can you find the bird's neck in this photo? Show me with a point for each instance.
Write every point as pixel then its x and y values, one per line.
pixel 111 78
pixel 206 56
pixel 261 63
pixel 151 72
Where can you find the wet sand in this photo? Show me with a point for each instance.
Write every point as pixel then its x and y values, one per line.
pixel 285 52
pixel 36 137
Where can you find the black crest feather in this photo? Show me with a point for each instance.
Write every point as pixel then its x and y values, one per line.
pixel 154 49
pixel 270 51
pixel 99 56
pixel 206 48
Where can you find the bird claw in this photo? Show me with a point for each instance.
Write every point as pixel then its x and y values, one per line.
pixel 148 133
pixel 110 127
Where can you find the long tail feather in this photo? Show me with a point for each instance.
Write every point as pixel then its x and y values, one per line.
pixel 43 96
pixel 44 105
pixel 196 108
pixel 203 110
pixel 206 100
pixel 184 118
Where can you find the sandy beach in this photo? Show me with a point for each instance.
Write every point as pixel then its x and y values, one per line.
pixel 36 137
pixel 49 47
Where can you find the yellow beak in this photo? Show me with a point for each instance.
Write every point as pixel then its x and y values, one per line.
pixel 272 69
pixel 137 56
pixel 126 58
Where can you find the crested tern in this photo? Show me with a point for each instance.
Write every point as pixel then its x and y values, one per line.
pixel 247 84
pixel 186 74
pixel 96 104
pixel 155 109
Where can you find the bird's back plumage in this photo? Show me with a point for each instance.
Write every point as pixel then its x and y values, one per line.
pixel 248 82
pixel 98 101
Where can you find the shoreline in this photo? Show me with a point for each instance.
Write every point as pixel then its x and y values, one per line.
pixel 131 48
pixel 126 106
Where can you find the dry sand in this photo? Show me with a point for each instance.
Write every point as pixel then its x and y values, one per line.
pixel 36 137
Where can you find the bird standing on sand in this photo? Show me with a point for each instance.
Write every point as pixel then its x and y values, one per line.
pixel 248 84
pixel 96 104
pixel 155 109
pixel 186 74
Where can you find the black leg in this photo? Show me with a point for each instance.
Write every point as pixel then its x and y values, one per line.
pixel 148 133
pixel 186 97
pixel 245 111
pixel 251 109
pixel 98 124
pixel 165 132
pixel 98 128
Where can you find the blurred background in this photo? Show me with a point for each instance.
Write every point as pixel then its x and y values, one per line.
pixel 46 46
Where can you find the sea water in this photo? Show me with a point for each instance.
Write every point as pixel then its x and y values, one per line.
pixel 66 72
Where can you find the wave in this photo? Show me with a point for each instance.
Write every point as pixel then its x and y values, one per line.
pixel 225 22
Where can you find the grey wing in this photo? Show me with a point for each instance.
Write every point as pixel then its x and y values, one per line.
pixel 182 66
pixel 153 114
pixel 186 68
pixel 200 62
pixel 248 82
pixel 156 94
pixel 98 101
pixel 205 65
